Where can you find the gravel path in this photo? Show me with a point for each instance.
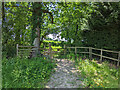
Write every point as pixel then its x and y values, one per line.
pixel 65 76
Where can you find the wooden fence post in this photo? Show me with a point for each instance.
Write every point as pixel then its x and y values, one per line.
pixel 101 55
pixel 50 50
pixel 44 46
pixel 118 58
pixel 90 53
pixel 17 49
pixel 75 50
pixel 75 53
pixel 64 49
pixel 44 49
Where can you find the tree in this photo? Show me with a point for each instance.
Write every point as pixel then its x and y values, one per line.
pixel 73 20
pixel 17 26
pixel 104 26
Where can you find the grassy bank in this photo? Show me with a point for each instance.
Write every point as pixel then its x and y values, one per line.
pixel 96 75
pixel 26 73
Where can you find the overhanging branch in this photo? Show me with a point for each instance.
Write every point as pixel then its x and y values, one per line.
pixel 44 11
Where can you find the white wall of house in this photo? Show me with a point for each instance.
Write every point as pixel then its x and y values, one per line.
pixel 56 37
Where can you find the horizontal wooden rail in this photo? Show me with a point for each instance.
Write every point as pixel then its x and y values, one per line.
pixel 110 58
pixel 96 54
pixel 23 52
pixel 105 50
pixel 82 52
pixel 26 49
pixel 105 57
pixel 110 51
pixel 96 48
pixel 100 55
pixel 28 46
pixel 78 52
pixel 82 47
pixel 77 47
pixel 68 49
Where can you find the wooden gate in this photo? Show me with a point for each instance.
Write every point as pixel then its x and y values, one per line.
pixel 31 49
pixel 52 52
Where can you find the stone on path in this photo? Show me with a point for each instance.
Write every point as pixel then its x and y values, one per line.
pixel 65 76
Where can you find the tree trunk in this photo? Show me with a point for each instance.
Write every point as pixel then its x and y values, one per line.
pixel 37 19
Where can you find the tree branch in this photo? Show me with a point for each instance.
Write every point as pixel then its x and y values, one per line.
pixel 44 11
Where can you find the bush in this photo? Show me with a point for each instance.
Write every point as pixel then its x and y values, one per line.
pixel 95 75
pixel 98 75
pixel 26 73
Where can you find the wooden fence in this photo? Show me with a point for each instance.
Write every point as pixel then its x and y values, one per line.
pixel 24 48
pixel 49 51
pixel 90 51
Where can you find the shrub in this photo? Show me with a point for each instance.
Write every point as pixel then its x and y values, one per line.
pixel 26 73
pixel 95 75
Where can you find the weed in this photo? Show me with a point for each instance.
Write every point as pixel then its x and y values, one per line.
pixel 26 73
pixel 95 75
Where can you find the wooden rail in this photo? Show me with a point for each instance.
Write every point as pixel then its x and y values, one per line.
pixel 31 49
pixel 28 46
pixel 100 55
pixel 77 47
pixel 50 52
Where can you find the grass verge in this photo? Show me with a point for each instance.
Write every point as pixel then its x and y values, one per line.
pixel 94 74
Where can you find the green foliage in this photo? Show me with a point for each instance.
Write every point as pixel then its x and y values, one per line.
pixel 50 41
pixel 91 24
pixel 53 43
pixel 96 75
pixel 9 50
pixel 88 24
pixel 26 73
pixel 103 26
pixel 14 27
pixel 74 20
pixel 101 39
pixel 36 19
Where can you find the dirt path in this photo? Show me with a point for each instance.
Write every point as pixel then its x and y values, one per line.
pixel 66 76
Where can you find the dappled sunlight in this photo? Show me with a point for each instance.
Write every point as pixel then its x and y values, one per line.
pixel 98 75
pixel 38 36
pixel 66 75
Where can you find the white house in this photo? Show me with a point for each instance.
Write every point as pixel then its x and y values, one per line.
pixel 55 36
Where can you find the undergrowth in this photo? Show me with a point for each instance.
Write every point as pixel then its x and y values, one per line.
pixel 26 73
pixel 96 75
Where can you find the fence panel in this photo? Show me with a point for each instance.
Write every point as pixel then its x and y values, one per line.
pixel 100 55
pixel 90 52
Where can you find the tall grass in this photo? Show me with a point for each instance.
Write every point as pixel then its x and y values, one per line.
pixel 26 73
